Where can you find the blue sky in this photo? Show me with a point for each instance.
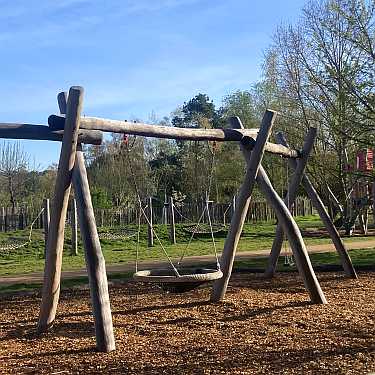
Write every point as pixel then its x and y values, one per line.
pixel 133 57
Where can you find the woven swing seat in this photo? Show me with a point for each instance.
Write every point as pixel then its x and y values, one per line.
pixel 190 278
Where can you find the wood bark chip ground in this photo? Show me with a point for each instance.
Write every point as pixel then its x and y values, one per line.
pixel 264 326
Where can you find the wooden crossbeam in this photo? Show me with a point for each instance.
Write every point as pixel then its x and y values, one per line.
pixel 45 133
pixel 136 128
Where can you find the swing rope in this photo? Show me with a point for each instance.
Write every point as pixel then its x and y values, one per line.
pixel 192 236
pixel 212 235
pixel 206 208
pixel 288 258
pixel 137 245
pixel 133 178
pixel 173 281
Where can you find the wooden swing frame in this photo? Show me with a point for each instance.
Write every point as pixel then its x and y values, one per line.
pixel 73 130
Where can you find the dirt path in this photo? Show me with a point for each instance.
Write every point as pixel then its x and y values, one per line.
pixel 37 277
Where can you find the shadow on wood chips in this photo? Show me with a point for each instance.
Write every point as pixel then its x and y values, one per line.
pixel 264 326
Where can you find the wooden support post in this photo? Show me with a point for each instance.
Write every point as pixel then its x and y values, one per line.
pixel 3 215
pixel 363 218
pixel 74 226
pixel 290 198
pixel 62 100
pixel 242 204
pixel 6 220
pixel 335 200
pixel 294 236
pixel 150 232
pixel 164 218
pixel 95 263
pixel 55 242
pixel 172 224
pixel 233 204
pixel 46 220
pixel 330 226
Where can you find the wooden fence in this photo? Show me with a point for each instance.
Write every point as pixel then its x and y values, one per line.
pixel 189 212
pixel 19 219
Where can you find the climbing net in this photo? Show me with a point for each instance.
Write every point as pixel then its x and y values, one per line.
pixel 14 244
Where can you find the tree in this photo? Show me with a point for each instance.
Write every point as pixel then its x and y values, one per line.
pixel 199 112
pixel 324 67
pixel 13 168
pixel 166 167
pixel 241 104
pixel 118 167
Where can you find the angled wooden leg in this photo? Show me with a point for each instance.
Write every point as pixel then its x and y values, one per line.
pixel 74 226
pixel 55 240
pixel 291 229
pixel 242 205
pixel 290 199
pixel 346 262
pixel 95 263
pixel 294 236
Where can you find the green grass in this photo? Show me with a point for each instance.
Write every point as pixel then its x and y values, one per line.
pixel 255 237
pixel 359 257
pixel 65 283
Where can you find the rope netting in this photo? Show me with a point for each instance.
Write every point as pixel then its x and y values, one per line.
pixel 117 234
pixel 15 244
